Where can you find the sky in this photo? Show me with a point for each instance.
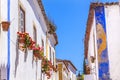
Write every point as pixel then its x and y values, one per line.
pixel 70 17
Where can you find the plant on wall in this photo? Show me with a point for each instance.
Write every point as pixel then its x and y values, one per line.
pixel 46 67
pixel 38 52
pixel 52 27
pixel 25 40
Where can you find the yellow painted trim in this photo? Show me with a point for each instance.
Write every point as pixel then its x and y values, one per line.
pixel 47 47
pixel 60 71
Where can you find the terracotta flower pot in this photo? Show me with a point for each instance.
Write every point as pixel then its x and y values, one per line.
pixel 5 25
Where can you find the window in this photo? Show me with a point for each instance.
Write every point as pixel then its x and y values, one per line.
pixel 21 19
pixel 43 46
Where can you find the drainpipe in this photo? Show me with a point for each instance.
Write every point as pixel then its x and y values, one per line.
pixel 8 41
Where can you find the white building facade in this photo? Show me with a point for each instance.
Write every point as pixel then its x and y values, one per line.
pixel 66 70
pixel 25 16
pixel 102 42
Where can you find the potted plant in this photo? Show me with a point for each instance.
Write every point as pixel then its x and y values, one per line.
pixel 46 67
pixel 36 50
pixel 5 25
pixel 41 56
pixel 21 37
pixel 25 40
pixel 21 41
pixel 28 40
pixel 30 46
pixel 52 27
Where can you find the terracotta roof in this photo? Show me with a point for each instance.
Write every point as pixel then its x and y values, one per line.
pixel 59 60
pixel 90 22
pixel 46 19
pixel 66 63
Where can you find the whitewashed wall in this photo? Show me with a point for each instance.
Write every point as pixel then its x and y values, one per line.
pixel 72 72
pixel 3 35
pixel 26 70
pixel 19 68
pixel 89 77
pixel 112 15
pixel 113 36
pixel 92 51
pixel 3 41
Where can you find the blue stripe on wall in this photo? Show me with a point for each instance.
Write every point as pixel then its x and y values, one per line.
pixel 103 61
pixel 8 61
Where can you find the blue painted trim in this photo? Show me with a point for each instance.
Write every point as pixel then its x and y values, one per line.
pixel 8 61
pixel 103 64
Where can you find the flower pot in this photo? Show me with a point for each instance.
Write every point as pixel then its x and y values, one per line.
pixel 21 40
pixel 40 57
pixel 36 54
pixel 30 47
pixel 5 25
pixel 48 74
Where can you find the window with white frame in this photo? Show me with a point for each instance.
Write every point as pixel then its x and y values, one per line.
pixel 21 19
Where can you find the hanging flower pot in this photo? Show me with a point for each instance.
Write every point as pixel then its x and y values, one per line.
pixel 30 47
pixel 5 25
pixel 36 54
pixel 36 50
pixel 21 40
pixel 48 74
pixel 40 57
pixel 21 37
